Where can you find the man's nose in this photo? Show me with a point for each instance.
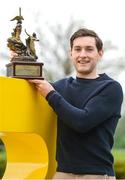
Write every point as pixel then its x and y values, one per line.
pixel 83 53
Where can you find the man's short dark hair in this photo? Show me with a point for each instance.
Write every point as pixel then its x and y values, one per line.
pixel 83 32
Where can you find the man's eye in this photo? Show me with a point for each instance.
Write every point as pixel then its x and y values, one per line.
pixel 77 49
pixel 90 49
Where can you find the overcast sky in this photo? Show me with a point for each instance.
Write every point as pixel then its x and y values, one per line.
pixel 106 17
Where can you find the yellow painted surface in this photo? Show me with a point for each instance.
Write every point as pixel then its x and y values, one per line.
pixel 28 125
pixel 27 156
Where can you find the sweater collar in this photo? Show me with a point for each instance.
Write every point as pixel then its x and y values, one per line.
pixel 101 76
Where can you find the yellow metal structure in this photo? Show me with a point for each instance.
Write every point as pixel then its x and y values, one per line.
pixel 28 131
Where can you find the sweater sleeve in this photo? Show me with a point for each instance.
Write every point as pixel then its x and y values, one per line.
pixel 98 109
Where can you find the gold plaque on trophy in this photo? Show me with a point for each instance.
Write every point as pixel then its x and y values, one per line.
pixel 23 63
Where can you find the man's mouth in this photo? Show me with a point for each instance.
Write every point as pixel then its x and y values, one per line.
pixel 83 61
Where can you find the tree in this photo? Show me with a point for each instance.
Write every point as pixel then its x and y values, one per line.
pixel 54 43
pixel 120 134
pixel 112 62
pixel 55 48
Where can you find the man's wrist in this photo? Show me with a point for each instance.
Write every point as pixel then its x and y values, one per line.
pixel 48 95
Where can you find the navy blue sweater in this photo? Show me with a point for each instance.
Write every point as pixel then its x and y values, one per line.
pixel 88 111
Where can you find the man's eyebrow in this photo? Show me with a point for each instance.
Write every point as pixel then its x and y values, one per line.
pixel 77 46
pixel 88 46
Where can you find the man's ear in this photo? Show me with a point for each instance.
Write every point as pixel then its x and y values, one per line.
pixel 101 52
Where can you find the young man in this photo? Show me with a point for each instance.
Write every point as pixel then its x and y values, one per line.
pixel 88 108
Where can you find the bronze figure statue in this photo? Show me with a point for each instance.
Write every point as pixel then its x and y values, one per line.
pixel 30 45
pixel 14 42
pixel 18 28
pixel 23 55
pixel 16 45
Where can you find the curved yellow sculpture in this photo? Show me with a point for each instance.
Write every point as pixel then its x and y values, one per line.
pixel 27 156
pixel 28 130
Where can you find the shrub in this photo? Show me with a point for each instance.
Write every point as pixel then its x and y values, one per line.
pixel 120 169
pixel 119 163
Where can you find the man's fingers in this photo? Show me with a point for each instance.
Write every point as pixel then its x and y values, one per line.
pixel 35 81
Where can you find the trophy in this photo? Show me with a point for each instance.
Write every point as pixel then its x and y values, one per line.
pixel 23 63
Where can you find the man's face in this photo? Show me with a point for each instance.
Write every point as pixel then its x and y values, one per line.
pixel 85 56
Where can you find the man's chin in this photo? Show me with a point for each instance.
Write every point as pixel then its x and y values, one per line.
pixel 84 71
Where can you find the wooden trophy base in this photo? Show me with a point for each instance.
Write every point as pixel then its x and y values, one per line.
pixel 25 70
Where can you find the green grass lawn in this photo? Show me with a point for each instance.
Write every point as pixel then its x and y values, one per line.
pixel 119 154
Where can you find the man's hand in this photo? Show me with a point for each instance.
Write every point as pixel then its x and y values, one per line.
pixel 13 54
pixel 42 86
